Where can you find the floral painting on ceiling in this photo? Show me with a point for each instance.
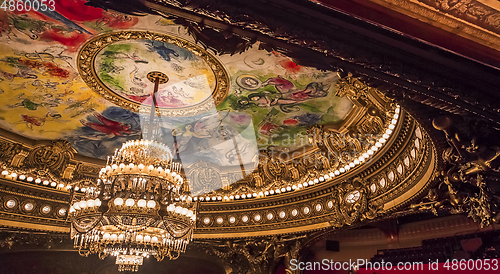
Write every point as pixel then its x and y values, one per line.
pixel 44 97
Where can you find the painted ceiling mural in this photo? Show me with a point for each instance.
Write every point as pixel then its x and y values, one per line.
pixel 270 100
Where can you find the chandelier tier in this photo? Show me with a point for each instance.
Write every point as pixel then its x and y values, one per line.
pixel 137 208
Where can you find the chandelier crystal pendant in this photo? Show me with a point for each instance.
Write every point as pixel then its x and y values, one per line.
pixel 136 209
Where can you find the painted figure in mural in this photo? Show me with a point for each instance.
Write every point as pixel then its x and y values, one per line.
pixel 108 126
pixel 162 50
pixel 38 121
pixel 288 95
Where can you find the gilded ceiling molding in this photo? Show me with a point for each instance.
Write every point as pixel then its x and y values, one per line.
pixel 470 19
pixel 468 183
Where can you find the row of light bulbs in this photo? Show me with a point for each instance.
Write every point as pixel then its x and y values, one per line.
pixel 91 203
pixel 142 169
pixel 323 178
pixel 14 176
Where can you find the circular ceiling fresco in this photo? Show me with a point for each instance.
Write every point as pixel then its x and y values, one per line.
pixel 116 64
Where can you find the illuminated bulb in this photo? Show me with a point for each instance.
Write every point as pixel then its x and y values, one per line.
pixel 277 191
pixel 347 167
pixel 142 203
pixel 332 174
pixel 382 140
pixel 114 166
pixel 271 192
pixel 337 172
pixel 147 239
pixel 356 162
pixel 82 204
pixel 184 211
pixel 370 152
pixel 118 201
pixel 394 121
pixel 53 184
pixel 61 185
pixel 305 184
pixel 374 148
pixel 261 193
pixel 90 203
pixel 154 240
pixel 299 186
pixel 97 202
pixel 129 202
pixel 38 180
pixel 231 197
pixel 311 182
pixel 131 165
pixel 76 188
pixel 326 176
pixel 237 197
pixel 174 174
pixel 396 116
pixel 321 179
pixel 396 110
pixel 193 218
pixel 170 208
pixel 388 132
pixel 352 164
pixel 151 167
pixel 108 168
pixel 243 196
pixel 121 237
pixel 46 182
pixel 83 189
pixel 30 179
pixel 385 136
pixel 77 206
pixel 189 213
pixel 294 187
pixel 366 155
pixel 378 144
pixel 122 166
pixel 22 177
pixel 139 238
pixel 266 192
pixel 13 175
pixel 141 166
pixel 167 171
pixel 178 209
pixel 106 236
pixel 342 170
pixel 5 172
pixel 288 188
pixel 151 204
pixel 283 189
pixel 316 181
pixel 391 126
pixel 71 209
pixel 160 169
pixel 113 237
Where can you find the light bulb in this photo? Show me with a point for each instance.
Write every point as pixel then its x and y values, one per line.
pixel 178 209
pixel 139 238
pixel 184 211
pixel 129 202
pixel 82 204
pixel 151 167
pixel 113 237
pixel 77 206
pixel 147 239
pixel 170 208
pixel 121 237
pixel 154 240
pixel 118 201
pixel 114 166
pixel 106 236
pixel 97 202
pixel 141 166
pixel 189 213
pixel 141 203
pixel 151 204
pixel 90 203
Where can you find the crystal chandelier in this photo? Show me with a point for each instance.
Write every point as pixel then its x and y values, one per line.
pixel 136 209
